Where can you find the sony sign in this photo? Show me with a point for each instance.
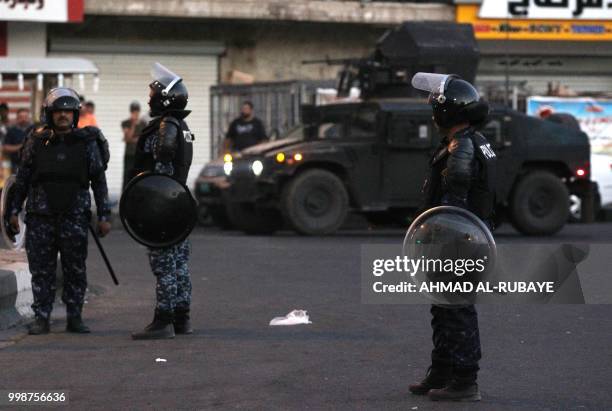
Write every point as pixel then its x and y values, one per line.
pixel 547 9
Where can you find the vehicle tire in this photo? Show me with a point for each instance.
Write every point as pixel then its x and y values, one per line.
pixel 219 217
pixel 539 204
pixel 252 219
pixel 315 202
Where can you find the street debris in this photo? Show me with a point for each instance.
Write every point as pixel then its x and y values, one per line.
pixel 295 317
pixel 161 360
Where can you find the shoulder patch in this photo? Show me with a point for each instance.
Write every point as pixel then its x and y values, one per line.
pixel 188 136
pixel 487 151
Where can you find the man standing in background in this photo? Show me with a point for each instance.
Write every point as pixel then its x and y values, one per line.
pixel 245 131
pixel 4 120
pixel 15 137
pixel 132 127
pixel 87 117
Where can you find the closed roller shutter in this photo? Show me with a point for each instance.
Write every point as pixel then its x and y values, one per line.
pixel 581 74
pixel 539 83
pixel 125 78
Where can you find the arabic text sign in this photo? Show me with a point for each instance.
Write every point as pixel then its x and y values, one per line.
pixel 547 9
pixel 56 11
pixel 509 29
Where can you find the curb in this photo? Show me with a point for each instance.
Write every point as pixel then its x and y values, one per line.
pixel 15 294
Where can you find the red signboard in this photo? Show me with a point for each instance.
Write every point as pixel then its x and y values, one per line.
pixel 52 11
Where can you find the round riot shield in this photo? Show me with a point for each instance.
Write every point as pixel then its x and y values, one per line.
pixel 11 239
pixel 453 250
pixel 157 211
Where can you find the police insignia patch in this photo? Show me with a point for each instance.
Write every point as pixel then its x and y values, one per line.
pixel 487 151
pixel 189 137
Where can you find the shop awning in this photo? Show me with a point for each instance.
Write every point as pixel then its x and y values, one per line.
pixel 49 65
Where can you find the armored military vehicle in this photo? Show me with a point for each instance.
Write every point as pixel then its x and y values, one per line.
pixel 371 157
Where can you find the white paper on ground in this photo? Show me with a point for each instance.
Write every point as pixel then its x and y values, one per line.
pixel 161 360
pixel 293 318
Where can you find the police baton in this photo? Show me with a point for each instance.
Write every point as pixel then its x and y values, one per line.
pixel 110 269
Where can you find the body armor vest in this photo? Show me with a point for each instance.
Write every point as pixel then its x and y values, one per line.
pixel 183 156
pixel 60 168
pixel 481 196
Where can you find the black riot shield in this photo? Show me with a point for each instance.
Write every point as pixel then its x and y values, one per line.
pixel 157 211
pixel 453 246
pixel 11 239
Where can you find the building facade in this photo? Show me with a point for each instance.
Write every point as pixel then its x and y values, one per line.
pixel 207 42
pixel 560 47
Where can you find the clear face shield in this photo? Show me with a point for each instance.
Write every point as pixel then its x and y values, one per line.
pixel 433 83
pixel 165 76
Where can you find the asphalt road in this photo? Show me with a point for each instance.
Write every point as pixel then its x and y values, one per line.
pixel 353 356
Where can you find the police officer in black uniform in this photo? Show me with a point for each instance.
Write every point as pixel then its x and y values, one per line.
pixel 59 162
pixel 165 146
pixel 462 175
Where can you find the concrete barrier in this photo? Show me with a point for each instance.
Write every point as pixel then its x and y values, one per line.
pixel 15 293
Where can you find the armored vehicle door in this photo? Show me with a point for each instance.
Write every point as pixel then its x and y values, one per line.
pixel 409 145
pixel 364 150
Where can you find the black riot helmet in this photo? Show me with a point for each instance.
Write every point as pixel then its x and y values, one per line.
pixel 58 99
pixel 169 92
pixel 453 100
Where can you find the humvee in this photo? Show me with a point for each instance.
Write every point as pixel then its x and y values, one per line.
pixel 371 156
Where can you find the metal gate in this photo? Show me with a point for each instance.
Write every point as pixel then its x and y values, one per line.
pixel 277 104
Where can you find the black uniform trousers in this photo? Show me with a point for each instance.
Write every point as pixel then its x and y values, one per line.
pixel 46 236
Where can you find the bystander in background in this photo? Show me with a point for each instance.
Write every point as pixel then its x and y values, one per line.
pixel 132 128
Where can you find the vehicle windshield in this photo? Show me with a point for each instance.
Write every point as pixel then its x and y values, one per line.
pixel 295 132
pixel 359 124
pixel 329 130
pixel 324 130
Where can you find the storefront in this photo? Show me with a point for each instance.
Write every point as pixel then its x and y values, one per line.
pixel 542 45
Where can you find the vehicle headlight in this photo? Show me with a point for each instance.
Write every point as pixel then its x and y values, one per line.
pixel 257 167
pixel 227 168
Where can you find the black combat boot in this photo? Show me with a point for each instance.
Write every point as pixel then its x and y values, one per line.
pixel 160 328
pixel 437 377
pixel 75 325
pixel 39 326
pixel 459 389
pixel 182 322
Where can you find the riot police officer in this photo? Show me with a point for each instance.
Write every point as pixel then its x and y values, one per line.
pixel 165 146
pixel 59 162
pixel 462 174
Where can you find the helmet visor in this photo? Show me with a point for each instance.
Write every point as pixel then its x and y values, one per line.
pixel 62 98
pixel 433 83
pixel 164 75
pixel 60 92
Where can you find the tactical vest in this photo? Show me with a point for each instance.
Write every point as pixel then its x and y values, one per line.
pixel 481 197
pixel 181 162
pixel 60 169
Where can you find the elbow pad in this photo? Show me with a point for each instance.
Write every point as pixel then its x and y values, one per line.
pixel 167 143
pixel 459 167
